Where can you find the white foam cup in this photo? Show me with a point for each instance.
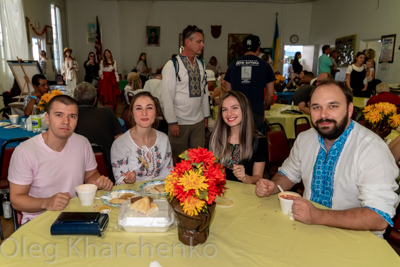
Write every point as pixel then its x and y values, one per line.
pixel 286 204
pixel 86 193
pixel 14 119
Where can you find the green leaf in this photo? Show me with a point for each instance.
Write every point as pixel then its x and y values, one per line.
pixel 197 165
pixel 203 195
pixel 184 155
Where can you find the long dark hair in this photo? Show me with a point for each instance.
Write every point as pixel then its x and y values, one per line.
pixel 88 57
pixel 105 61
pixel 219 139
pixel 140 58
pixel 297 68
pixel 156 104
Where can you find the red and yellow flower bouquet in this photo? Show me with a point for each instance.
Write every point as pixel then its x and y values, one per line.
pixel 196 181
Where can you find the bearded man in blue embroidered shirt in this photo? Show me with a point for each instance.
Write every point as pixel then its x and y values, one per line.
pixel 343 165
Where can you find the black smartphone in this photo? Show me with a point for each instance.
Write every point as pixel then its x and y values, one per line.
pixel 78 216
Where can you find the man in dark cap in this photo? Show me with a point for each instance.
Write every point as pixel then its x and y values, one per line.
pixel 250 75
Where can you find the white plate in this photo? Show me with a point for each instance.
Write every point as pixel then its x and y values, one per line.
pixel 4 124
pixel 12 126
pixel 224 202
pixel 144 189
pixel 394 85
pixel 118 193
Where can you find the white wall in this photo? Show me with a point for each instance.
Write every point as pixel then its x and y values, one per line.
pixel 39 11
pixel 369 19
pixel 124 25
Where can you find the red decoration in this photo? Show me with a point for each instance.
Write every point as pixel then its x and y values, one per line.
pixel 34 29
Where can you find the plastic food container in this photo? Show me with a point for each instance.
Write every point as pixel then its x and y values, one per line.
pixel 157 221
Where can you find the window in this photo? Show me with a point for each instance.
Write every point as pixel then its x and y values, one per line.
pixel 37 46
pixel 57 36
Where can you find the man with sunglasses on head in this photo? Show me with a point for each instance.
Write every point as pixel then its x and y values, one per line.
pixel 185 94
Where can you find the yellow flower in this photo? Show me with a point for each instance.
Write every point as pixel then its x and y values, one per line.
pixel 193 179
pixel 192 205
pixel 394 121
pixel 170 182
pixel 373 116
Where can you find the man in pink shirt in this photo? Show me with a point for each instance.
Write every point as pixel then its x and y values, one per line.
pixel 45 169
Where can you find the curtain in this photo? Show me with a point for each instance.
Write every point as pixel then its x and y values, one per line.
pixel 14 41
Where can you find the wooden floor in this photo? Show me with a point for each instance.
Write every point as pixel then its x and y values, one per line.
pixel 7 226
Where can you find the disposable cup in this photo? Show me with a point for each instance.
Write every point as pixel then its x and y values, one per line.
pixel 86 193
pixel 286 204
pixel 14 119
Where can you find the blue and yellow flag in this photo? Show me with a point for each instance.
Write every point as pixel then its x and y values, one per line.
pixel 275 46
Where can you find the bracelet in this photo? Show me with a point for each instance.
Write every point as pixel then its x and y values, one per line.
pixel 34 97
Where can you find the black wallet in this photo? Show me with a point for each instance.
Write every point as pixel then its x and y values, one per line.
pixel 80 223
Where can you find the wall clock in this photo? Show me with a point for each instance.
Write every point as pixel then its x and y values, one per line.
pixel 294 39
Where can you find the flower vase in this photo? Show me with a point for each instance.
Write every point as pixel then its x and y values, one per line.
pixel 382 129
pixel 192 230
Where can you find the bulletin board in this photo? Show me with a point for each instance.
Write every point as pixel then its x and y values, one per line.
pixel 346 47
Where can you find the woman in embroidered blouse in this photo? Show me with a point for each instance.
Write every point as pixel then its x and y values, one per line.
pixel 236 142
pixel 142 153
pixel 108 84
pixel 69 69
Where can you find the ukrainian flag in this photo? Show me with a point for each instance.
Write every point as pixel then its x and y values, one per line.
pixel 275 46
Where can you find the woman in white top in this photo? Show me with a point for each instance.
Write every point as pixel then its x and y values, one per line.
pixel 142 153
pixel 69 70
pixel 134 85
pixel 108 84
pixel 355 75
pixel 142 69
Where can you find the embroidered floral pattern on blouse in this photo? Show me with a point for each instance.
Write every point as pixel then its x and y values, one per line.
pixel 235 158
pixel 324 169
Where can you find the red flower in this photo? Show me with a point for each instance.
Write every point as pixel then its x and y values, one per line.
pixel 201 155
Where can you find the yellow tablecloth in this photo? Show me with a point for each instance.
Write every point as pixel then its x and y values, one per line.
pixel 359 102
pixel 287 120
pixel 254 232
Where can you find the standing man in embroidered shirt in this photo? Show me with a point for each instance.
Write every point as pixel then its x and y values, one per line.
pixel 41 87
pixel 343 165
pixel 185 95
pixel 250 75
pixel 324 62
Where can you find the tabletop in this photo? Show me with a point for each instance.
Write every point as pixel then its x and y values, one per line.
pixel 286 95
pixel 7 134
pixel 360 102
pixel 274 115
pixel 253 232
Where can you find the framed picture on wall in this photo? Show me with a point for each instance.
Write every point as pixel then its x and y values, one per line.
pixel 346 48
pixel 153 36
pixel 49 34
pixel 91 33
pixel 235 48
pixel 388 43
